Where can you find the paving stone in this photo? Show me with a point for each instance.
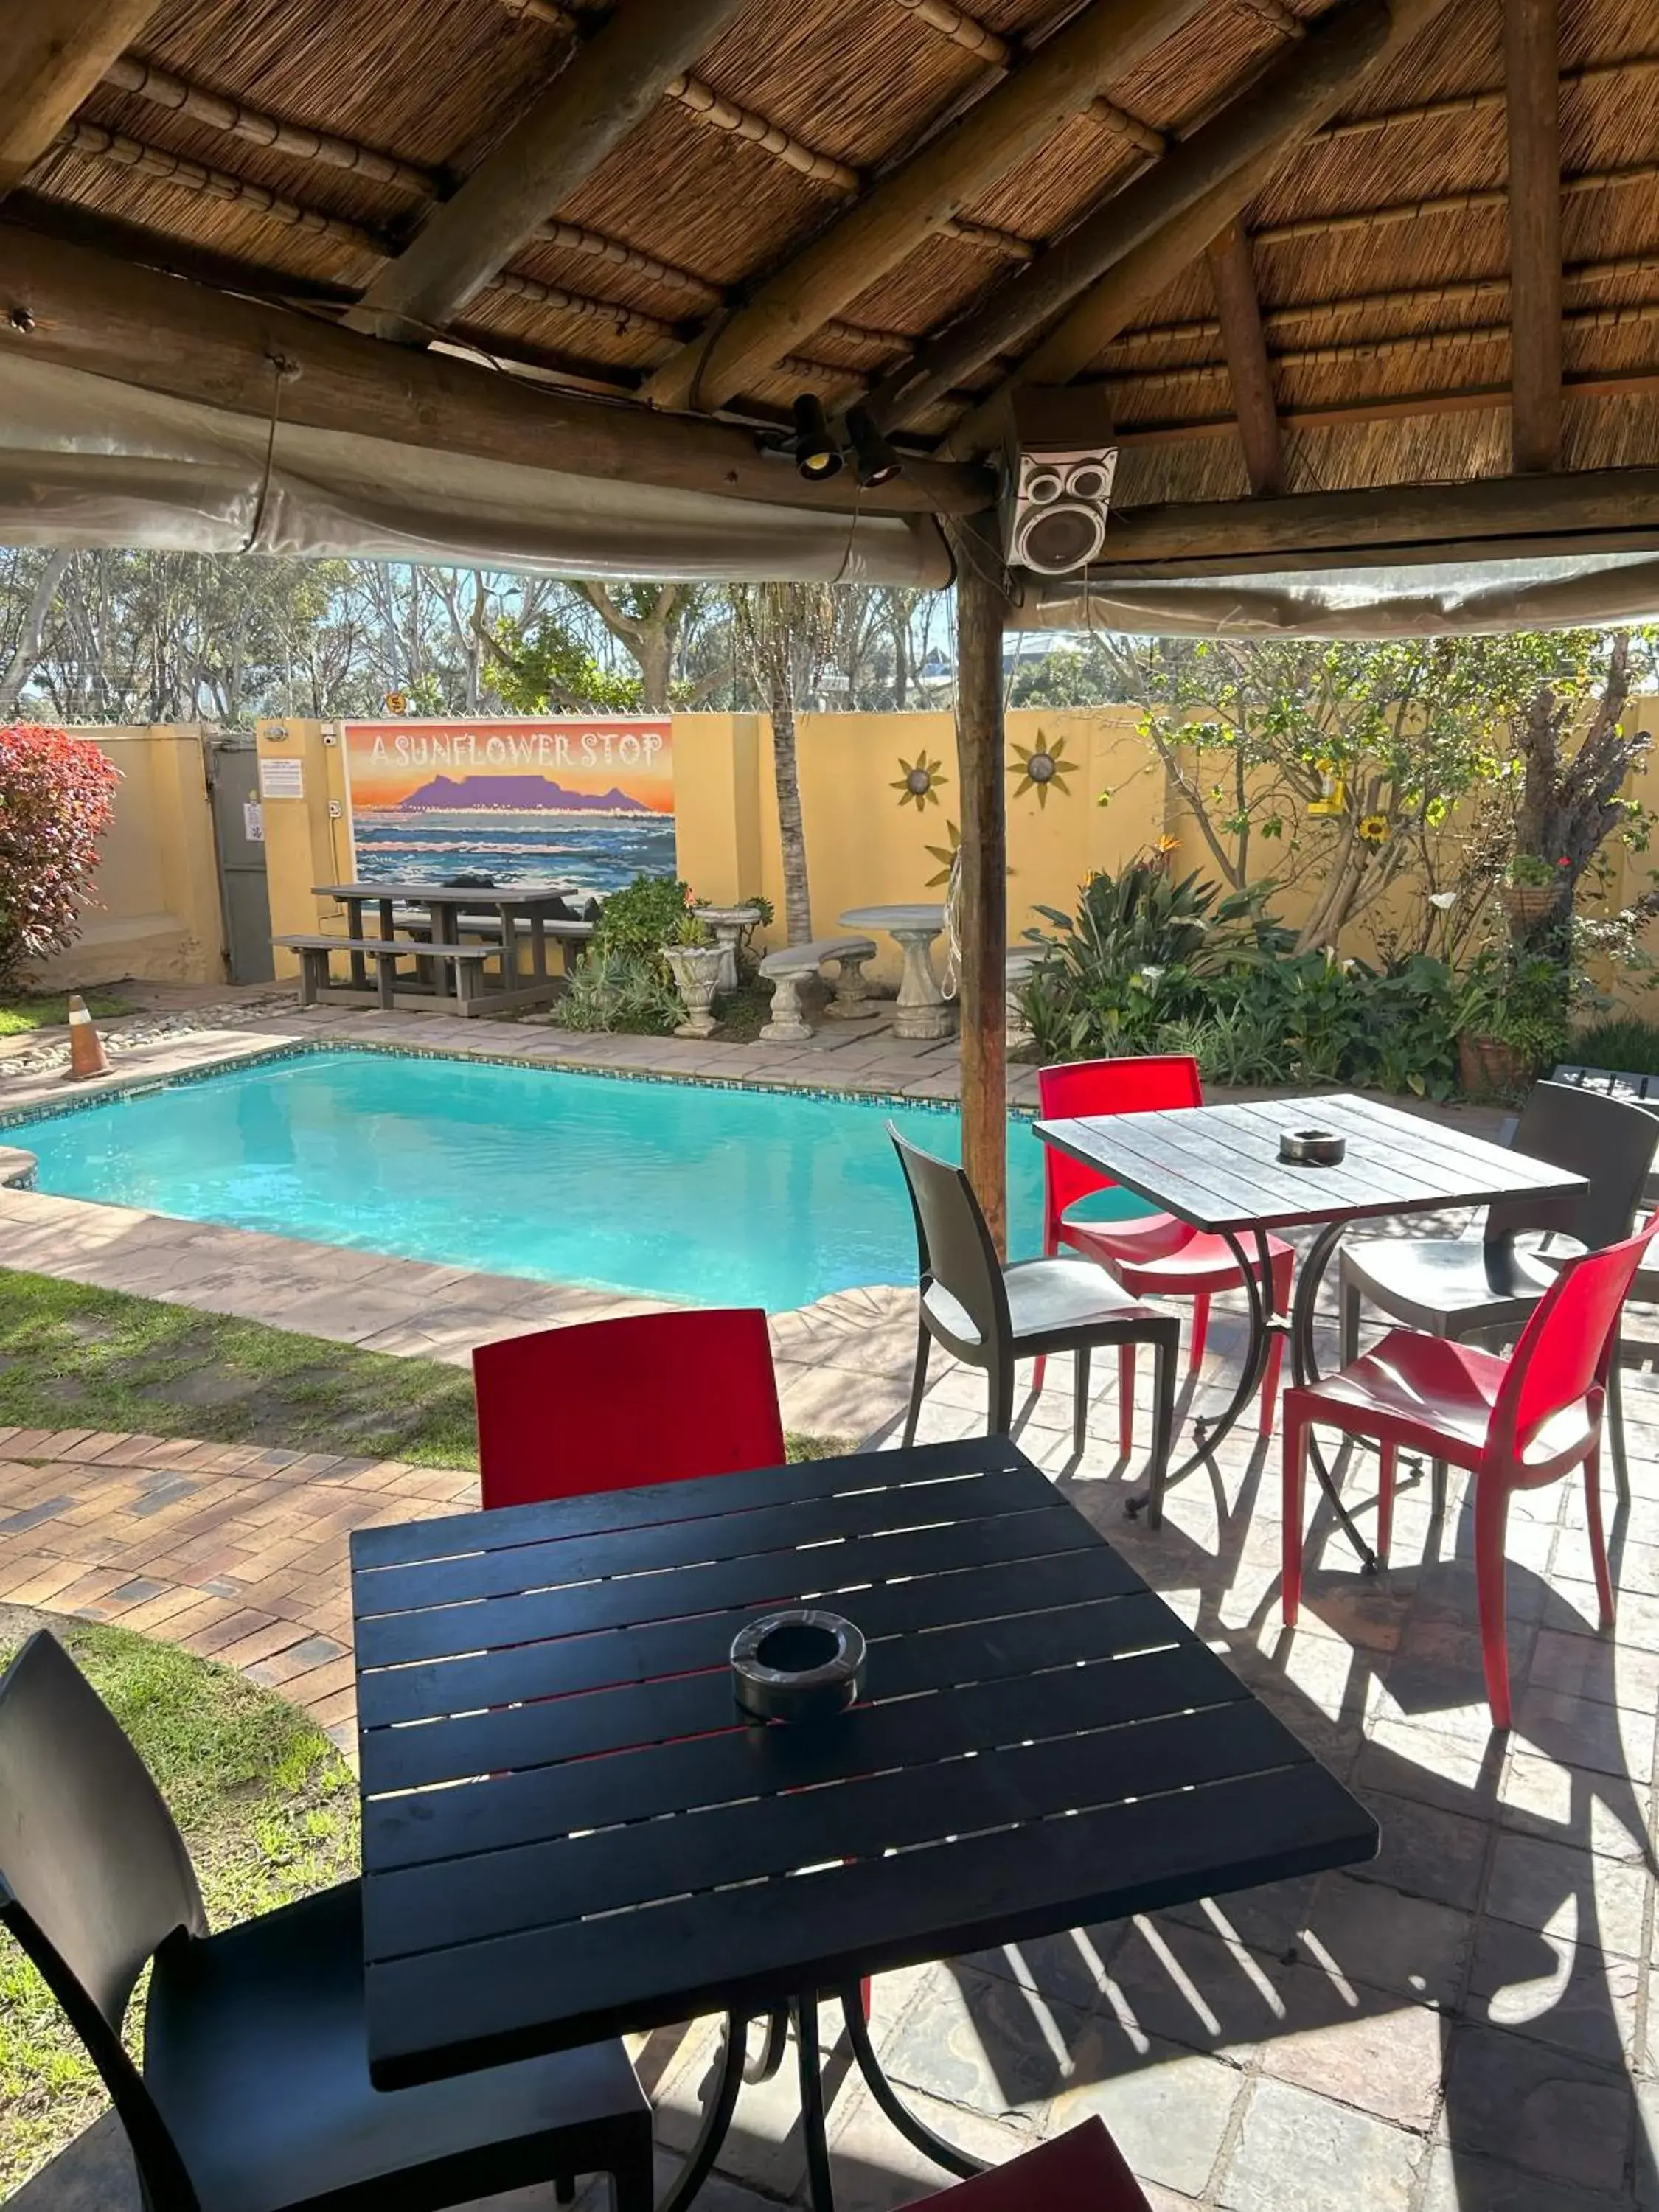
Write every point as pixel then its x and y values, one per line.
pixel 1388 1941
pixel 1532 1879
pixel 1459 2183
pixel 1169 2115
pixel 19 1524
pixel 1512 2098
pixel 1425 1852
pixel 1298 2152
pixel 1544 1984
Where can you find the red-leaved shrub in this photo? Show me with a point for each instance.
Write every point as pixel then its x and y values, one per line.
pixel 57 795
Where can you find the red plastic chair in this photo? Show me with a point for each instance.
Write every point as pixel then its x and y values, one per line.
pixel 1515 1423
pixel 609 1405
pixel 1154 1255
pixel 1082 2170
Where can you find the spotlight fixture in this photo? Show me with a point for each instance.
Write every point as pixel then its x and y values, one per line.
pixel 874 461
pixel 818 456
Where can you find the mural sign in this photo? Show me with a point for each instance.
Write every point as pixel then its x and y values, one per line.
pixel 589 800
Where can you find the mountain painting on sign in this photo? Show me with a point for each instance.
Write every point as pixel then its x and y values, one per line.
pixel 587 801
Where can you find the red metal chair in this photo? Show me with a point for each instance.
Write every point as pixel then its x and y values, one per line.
pixel 1153 1255
pixel 1082 2170
pixel 1514 1423
pixel 609 1405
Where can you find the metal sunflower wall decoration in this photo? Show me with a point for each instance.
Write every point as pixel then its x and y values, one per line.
pixel 1042 767
pixel 919 782
pixel 946 854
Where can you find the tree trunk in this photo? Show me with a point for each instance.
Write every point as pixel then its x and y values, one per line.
pixel 791 829
pixel 982 915
pixel 1569 807
pixel 21 666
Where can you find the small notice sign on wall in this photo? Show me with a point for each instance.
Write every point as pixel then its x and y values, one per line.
pixel 281 779
pixel 253 821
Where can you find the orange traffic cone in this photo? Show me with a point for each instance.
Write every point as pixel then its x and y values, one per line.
pixel 86 1046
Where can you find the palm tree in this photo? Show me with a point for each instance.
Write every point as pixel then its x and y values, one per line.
pixel 784 633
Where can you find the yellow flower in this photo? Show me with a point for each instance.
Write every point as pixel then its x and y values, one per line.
pixel 1373 830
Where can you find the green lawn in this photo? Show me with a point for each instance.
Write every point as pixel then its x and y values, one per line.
pixel 49 1008
pixel 266 1805
pixel 74 1357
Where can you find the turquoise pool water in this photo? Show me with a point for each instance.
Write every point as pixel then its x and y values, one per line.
pixel 681 1189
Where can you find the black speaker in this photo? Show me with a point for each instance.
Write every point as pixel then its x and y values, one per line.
pixel 1060 460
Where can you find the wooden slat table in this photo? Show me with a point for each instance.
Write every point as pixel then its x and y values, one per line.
pixel 583 1838
pixel 539 905
pixel 1217 1167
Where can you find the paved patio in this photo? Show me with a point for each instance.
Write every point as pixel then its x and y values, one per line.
pixel 1464 2024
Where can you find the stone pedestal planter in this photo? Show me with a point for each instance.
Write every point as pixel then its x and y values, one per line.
pixel 696 972
pixel 728 924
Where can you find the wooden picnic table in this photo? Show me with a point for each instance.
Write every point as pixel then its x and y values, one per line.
pixel 536 905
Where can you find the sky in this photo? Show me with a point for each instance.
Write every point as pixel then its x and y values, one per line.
pixel 387 761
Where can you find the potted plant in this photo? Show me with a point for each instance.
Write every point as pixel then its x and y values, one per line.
pixel 1511 1023
pixel 1529 890
pixel 694 961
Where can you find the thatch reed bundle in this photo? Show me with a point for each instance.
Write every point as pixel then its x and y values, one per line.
pixel 310 150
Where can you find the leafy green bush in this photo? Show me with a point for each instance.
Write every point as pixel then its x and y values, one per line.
pixel 1624 1042
pixel 619 991
pixel 1150 965
pixel 639 920
pixel 1144 950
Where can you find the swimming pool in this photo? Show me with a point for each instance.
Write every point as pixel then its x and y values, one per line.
pixel 682 1190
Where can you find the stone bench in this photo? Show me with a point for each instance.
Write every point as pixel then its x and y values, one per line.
pixel 792 965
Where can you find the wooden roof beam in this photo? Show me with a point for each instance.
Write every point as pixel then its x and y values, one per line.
pixel 52 52
pixel 80 309
pixel 1516 507
pixel 1295 92
pixel 609 87
pixel 1531 32
pixel 919 198
pixel 1134 278
pixel 1233 276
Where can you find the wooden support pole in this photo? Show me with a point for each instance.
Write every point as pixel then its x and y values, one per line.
pixel 1289 99
pixel 982 917
pixel 1233 275
pixel 919 198
pixel 611 86
pixel 52 52
pixel 80 309
pixel 1531 72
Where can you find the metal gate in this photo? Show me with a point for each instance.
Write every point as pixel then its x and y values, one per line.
pixel 233 775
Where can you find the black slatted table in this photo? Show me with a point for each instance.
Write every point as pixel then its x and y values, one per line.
pixel 568 1832
pixel 1217 1167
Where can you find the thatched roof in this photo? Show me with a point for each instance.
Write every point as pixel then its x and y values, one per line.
pixel 290 149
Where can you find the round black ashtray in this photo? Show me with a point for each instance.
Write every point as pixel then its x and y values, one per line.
pixel 798 1665
pixel 1312 1148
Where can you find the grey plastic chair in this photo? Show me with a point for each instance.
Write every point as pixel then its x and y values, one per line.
pixel 991 1316
pixel 1463 1286
pixel 254 2094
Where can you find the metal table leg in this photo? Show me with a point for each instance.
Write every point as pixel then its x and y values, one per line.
pixel 716 2120
pixel 1304 1367
pixel 915 2132
pixel 1258 1282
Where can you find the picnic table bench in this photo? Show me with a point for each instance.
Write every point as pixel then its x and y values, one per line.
pixel 316 951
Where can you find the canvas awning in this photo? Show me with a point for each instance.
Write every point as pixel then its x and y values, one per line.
pixel 85 460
